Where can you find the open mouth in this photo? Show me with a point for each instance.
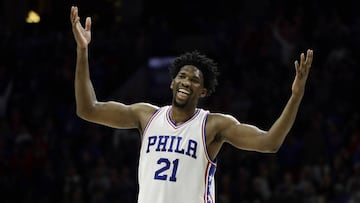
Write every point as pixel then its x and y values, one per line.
pixel 182 93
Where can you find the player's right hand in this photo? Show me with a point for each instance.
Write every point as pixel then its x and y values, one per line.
pixel 82 35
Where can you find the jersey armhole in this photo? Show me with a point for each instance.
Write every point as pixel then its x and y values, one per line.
pixel 150 120
pixel 203 125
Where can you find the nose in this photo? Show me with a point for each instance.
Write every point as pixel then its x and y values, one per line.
pixel 185 82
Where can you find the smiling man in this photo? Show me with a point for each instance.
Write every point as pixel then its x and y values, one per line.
pixel 180 142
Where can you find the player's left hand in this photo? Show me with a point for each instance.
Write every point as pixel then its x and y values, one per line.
pixel 302 72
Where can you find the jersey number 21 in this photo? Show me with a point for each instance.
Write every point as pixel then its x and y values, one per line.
pixel 168 168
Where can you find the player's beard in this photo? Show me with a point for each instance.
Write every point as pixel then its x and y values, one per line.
pixel 179 105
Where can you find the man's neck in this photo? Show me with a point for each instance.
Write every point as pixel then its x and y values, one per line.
pixel 181 115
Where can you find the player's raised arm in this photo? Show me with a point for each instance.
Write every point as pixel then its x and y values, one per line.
pixel 250 137
pixel 113 114
pixel 282 126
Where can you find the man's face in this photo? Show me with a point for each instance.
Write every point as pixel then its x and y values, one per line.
pixel 188 86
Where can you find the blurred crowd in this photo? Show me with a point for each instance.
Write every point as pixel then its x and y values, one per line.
pixel 48 154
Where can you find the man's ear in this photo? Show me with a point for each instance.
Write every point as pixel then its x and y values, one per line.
pixel 172 84
pixel 203 93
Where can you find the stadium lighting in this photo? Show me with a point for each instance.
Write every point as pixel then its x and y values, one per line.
pixel 32 17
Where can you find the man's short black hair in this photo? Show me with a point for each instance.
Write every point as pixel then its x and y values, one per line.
pixel 206 65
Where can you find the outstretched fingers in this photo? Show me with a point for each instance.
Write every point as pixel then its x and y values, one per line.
pixel 303 68
pixel 307 62
pixel 309 59
pixel 74 17
pixel 88 24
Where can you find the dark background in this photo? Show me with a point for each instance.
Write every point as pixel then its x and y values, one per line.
pixel 48 154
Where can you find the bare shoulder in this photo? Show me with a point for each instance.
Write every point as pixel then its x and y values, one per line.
pixel 216 126
pixel 217 123
pixel 221 120
pixel 143 109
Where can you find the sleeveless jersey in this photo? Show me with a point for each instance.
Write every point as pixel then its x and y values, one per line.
pixel 174 166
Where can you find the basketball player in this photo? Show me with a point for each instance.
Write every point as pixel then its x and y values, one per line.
pixel 180 142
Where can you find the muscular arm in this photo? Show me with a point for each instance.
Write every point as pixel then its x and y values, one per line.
pixel 250 137
pixel 225 128
pixel 113 114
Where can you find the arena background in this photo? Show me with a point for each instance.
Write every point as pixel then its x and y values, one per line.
pixel 48 154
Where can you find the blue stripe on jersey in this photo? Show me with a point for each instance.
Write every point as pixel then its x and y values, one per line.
pixel 210 180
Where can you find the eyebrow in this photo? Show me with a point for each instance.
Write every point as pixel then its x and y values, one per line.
pixel 185 73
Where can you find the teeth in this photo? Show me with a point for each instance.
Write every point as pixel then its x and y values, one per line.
pixel 184 91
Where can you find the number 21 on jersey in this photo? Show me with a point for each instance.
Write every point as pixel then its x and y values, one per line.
pixel 168 169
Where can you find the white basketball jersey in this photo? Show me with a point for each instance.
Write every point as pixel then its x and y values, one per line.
pixel 174 166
